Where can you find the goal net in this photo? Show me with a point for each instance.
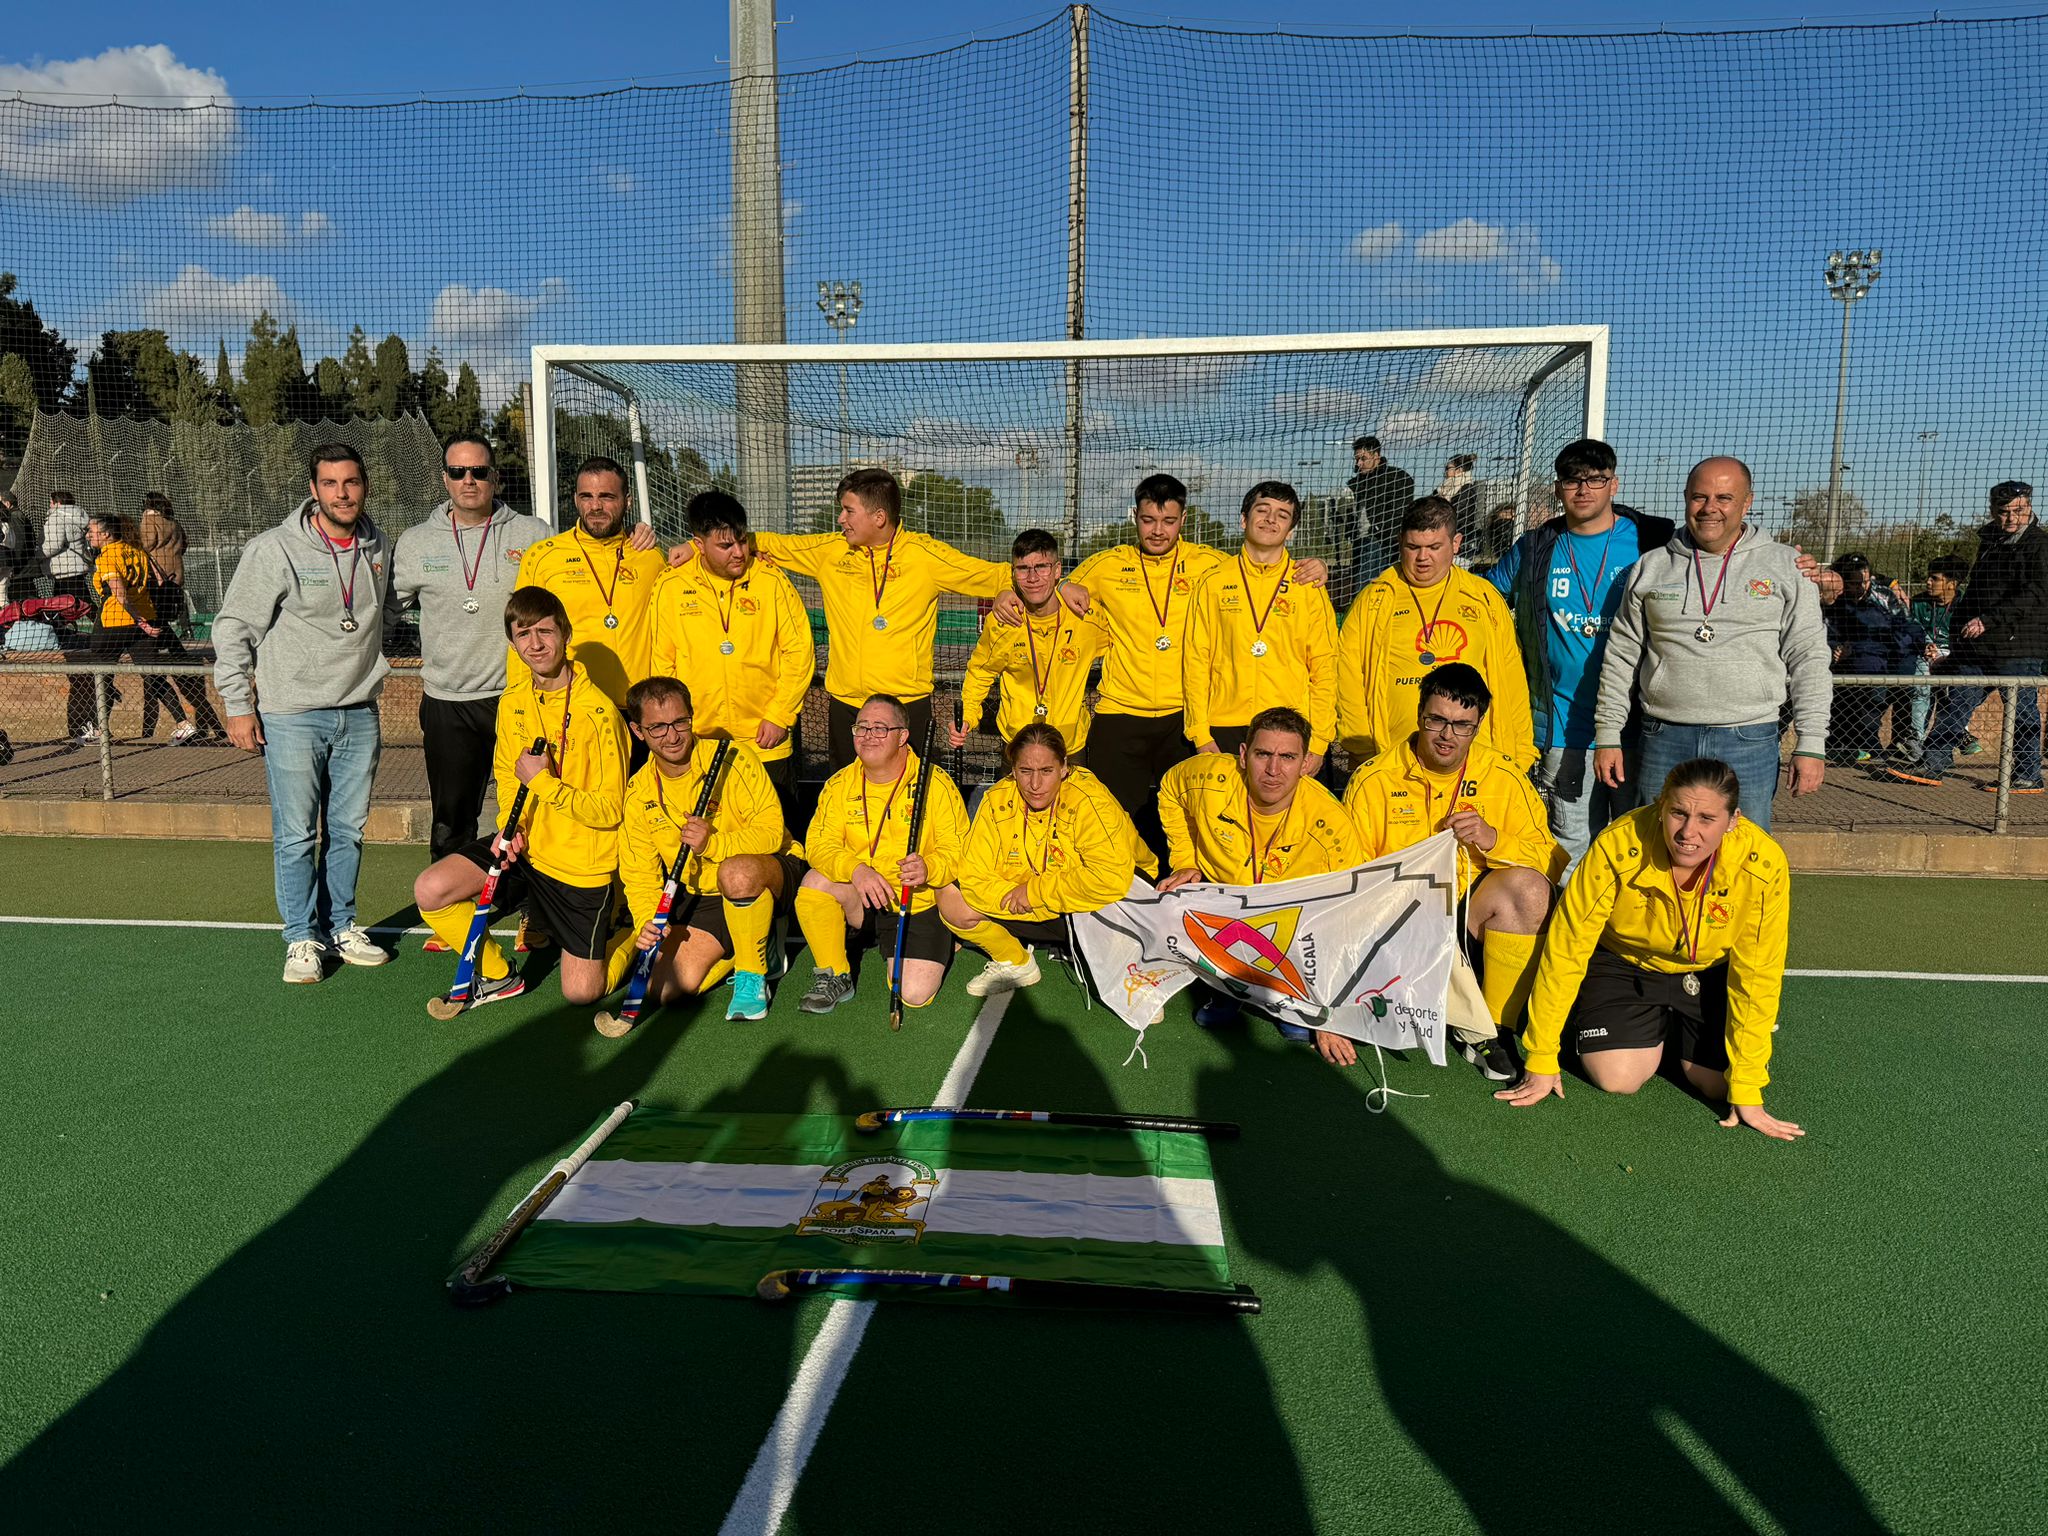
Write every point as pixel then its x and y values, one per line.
pixel 992 438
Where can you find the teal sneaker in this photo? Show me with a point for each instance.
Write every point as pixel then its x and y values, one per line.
pixel 749 996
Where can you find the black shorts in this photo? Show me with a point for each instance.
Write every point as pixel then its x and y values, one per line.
pixel 579 917
pixel 1035 934
pixel 1622 1007
pixel 708 916
pixel 927 938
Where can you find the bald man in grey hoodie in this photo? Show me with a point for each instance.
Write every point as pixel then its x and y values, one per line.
pixel 299 647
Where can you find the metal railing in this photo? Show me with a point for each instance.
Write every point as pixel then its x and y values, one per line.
pixel 2008 690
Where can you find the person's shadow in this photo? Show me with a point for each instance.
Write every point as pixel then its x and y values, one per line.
pixel 1550 1389
pixel 319 1379
pixel 1003 1413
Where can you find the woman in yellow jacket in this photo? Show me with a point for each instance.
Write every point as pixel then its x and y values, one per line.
pixel 1673 925
pixel 1047 841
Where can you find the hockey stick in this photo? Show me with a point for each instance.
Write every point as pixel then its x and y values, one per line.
pixel 613 1025
pixel 778 1284
pixel 464 986
pixel 1222 1130
pixel 917 800
pixel 472 1285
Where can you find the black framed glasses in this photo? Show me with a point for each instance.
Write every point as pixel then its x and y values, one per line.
pixel 865 729
pixel 1587 483
pixel 468 471
pixel 1457 730
pixel 663 729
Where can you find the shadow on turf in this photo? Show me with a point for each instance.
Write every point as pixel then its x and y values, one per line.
pixel 318 1379
pixel 1533 1373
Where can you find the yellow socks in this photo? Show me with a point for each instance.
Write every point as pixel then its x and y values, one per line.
pixel 823 922
pixel 749 922
pixel 1510 972
pixel 619 955
pixel 451 927
pixel 993 940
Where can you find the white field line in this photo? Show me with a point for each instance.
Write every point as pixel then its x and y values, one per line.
pixel 179 922
pixel 771 1482
pixel 1918 976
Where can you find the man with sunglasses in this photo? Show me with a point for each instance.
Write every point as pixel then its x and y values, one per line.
pixel 458 567
pixel 1563 581
pixel 1441 779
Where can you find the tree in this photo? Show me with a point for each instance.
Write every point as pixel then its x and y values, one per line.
pixel 17 405
pixel 136 373
pixel 964 515
pixel 47 356
pixel 270 369
pixel 467 412
pixel 508 452
pixel 431 394
pixel 1808 523
pixel 358 373
pixel 391 383
pixel 332 384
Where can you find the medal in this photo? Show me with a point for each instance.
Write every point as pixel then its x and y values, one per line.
pixel 1259 619
pixel 1258 647
pixel 1039 684
pixel 877 588
pixel 1426 659
pixel 1162 644
pixel 1159 609
pixel 348 587
pixel 1423 653
pixel 469 567
pixel 1689 933
pixel 880 622
pixel 611 621
pixel 471 605
pixel 348 623
pixel 1589 629
pixel 1039 710
pixel 725 648
pixel 1691 982
pixel 1704 633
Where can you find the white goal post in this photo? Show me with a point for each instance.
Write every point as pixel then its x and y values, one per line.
pixel 1054 433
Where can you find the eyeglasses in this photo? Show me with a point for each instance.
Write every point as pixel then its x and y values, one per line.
pixel 663 729
pixel 878 730
pixel 468 471
pixel 1457 730
pixel 1588 483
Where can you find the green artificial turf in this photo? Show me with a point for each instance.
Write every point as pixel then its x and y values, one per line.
pixel 232 1205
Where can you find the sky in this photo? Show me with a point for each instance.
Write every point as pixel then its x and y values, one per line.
pixel 1682 191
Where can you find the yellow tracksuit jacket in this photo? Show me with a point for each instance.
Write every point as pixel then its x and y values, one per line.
pixel 1397 802
pixel 772 662
pixel 1061 648
pixel 572 811
pixel 853 827
pixel 1076 857
pixel 1380 663
pixel 1225 684
pixel 744 814
pixel 1206 810
pixel 1138 678
pixel 580 571
pixel 1621 899
pixel 863 661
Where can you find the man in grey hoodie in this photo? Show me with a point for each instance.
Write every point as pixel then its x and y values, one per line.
pixel 1716 631
pixel 300 663
pixel 66 554
pixel 459 566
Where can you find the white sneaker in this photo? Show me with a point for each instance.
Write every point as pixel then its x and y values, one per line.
pixel 185 732
pixel 1001 976
pixel 358 948
pixel 88 736
pixel 302 962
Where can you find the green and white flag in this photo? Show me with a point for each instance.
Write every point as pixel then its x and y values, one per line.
pixel 708 1204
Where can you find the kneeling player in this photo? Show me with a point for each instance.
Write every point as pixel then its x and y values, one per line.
pixel 739 852
pixel 858 844
pixel 1250 818
pixel 568 848
pixel 1441 778
pixel 1047 841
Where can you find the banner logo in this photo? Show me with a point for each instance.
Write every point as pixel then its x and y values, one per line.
pixel 883 1208
pixel 1252 951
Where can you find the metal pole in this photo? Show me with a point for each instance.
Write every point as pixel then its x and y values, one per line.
pixel 1841 427
pixel 639 437
pixel 2012 727
pixel 845 451
pixel 99 709
pixel 1926 452
pixel 761 389
pixel 1077 262
pixel 537 437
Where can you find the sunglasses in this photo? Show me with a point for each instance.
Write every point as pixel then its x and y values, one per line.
pixel 468 471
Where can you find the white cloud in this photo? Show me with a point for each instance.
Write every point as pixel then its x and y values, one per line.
pixel 1323 402
pixel 1377 243
pixel 200 303
pixel 469 319
pixel 113 156
pixel 1466 240
pixel 1411 428
pixel 314 225
pixel 250 226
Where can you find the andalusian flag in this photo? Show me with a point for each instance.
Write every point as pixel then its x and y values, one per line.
pixel 1364 952
pixel 703 1203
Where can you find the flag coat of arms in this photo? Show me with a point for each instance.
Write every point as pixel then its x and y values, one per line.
pixel 709 1203
pixel 1365 952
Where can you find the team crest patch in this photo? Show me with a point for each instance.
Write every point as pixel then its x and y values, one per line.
pixel 1717 913
pixel 749 606
pixel 1468 611
pixel 514 555
pixel 1180 584
pixel 1762 587
pixel 886 1205
pixel 1069 655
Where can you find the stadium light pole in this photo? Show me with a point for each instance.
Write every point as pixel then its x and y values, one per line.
pixel 1926 452
pixel 1849 278
pixel 840 304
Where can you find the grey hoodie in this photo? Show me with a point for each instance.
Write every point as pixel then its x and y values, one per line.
pixel 462 654
pixel 65 545
pixel 1769 643
pixel 279 626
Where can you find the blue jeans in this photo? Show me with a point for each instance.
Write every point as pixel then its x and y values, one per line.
pixel 1580 805
pixel 1952 718
pixel 318 766
pixel 1751 750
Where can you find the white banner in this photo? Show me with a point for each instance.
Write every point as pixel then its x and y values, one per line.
pixel 1364 952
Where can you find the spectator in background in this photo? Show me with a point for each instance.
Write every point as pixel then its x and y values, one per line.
pixel 126 624
pixel 19 557
pixel 1867 637
pixel 1459 490
pixel 65 549
pixel 1381 496
pixel 2000 627
pixel 1932 610
pixel 163 546
pixel 1499 535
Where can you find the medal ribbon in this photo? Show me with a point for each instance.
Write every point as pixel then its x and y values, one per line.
pixel 1051 830
pixel 355 558
pixel 1706 602
pixel 1251 829
pixel 1415 597
pixel 567 693
pixel 879 587
pixel 469 570
pixel 1689 937
pixel 1606 548
pixel 618 565
pixel 1052 655
pixel 875 841
pixel 1159 610
pixel 1245 576
pixel 725 606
